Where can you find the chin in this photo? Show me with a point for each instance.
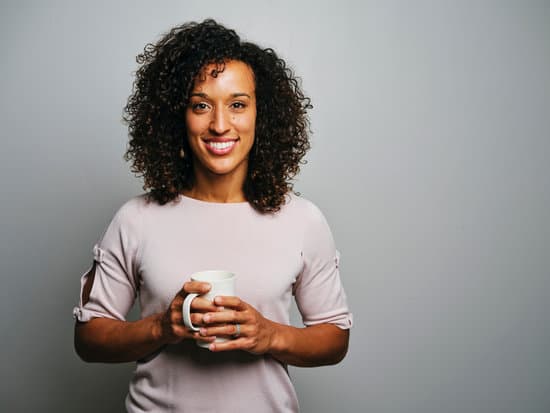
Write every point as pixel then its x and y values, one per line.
pixel 222 168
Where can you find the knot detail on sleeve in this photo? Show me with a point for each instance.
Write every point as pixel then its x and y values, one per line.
pixel 98 254
pixel 77 313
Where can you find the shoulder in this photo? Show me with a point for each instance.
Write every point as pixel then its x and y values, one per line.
pixel 305 218
pixel 312 226
pixel 143 211
pixel 131 214
pixel 132 208
pixel 302 209
pixel 141 205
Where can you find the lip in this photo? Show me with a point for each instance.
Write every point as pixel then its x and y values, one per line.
pixel 223 150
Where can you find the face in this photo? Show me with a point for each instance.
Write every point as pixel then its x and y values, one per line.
pixel 221 119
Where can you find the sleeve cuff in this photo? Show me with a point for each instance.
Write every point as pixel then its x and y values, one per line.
pixel 84 315
pixel 343 320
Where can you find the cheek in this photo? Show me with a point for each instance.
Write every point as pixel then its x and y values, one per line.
pixel 247 124
pixel 194 126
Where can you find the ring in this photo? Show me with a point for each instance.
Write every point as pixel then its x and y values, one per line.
pixel 238 330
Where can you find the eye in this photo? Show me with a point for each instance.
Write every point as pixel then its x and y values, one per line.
pixel 238 105
pixel 199 107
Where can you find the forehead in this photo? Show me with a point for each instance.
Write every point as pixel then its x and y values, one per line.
pixel 233 74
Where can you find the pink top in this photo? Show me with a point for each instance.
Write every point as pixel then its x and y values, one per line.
pixel 149 251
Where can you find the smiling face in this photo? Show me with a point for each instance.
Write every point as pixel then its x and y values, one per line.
pixel 221 119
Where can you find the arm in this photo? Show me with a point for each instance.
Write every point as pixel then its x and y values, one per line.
pixel 113 341
pixel 316 345
pixel 109 340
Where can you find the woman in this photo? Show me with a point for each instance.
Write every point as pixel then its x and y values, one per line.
pixel 218 128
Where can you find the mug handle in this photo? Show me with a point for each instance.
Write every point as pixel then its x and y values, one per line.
pixel 186 310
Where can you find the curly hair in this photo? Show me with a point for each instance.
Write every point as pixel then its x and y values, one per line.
pixel 155 114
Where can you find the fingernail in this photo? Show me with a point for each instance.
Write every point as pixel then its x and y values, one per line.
pixel 212 347
pixel 202 331
pixel 206 318
pixel 218 300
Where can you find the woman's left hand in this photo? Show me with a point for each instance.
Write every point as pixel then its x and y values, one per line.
pixel 255 332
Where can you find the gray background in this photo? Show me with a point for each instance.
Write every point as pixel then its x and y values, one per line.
pixel 430 160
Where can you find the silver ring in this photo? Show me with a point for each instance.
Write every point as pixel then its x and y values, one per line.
pixel 238 330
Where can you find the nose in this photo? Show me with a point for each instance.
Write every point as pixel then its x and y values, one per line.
pixel 219 123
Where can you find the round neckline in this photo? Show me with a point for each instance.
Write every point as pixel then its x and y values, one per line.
pixel 200 201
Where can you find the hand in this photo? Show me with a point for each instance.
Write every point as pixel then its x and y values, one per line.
pixel 256 332
pixel 172 328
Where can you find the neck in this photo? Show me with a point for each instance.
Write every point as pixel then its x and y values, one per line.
pixel 211 187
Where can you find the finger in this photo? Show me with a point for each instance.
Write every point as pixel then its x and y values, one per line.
pixel 196 336
pixel 177 302
pixel 230 302
pixel 226 330
pixel 198 287
pixel 197 319
pixel 242 343
pixel 200 304
pixel 224 317
pixel 176 317
pixel 179 330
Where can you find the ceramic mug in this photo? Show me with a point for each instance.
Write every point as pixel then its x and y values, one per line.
pixel 221 282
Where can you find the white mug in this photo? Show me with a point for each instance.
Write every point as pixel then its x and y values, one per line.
pixel 221 282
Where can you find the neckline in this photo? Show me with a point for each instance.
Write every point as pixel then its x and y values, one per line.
pixel 212 203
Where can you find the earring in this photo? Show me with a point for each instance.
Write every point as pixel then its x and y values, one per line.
pixel 182 153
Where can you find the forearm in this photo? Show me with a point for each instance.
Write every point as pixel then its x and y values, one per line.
pixel 312 346
pixel 111 341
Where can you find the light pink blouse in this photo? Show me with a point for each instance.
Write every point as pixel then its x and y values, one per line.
pixel 148 251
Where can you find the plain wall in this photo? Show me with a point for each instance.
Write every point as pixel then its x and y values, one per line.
pixel 430 160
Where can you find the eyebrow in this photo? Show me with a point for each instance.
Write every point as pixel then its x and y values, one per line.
pixel 233 95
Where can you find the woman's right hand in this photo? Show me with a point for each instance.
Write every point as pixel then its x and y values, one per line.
pixel 173 329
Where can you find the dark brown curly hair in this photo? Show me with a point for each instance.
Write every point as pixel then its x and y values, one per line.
pixel 155 114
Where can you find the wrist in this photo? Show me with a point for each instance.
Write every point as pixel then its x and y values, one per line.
pixel 279 339
pixel 157 328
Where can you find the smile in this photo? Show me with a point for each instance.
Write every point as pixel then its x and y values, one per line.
pixel 220 147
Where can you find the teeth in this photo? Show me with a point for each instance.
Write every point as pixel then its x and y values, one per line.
pixel 220 145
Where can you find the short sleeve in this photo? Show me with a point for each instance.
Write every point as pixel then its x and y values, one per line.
pixel 318 290
pixel 115 277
